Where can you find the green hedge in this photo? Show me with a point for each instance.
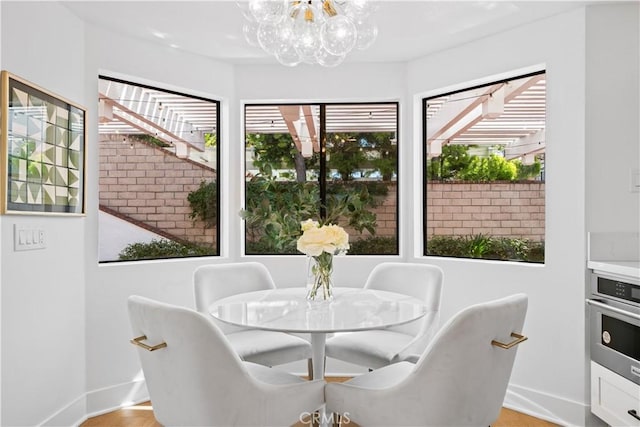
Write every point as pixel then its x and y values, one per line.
pixel 486 247
pixel 160 249
pixel 374 245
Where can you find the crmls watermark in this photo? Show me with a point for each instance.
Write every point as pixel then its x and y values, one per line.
pixel 317 418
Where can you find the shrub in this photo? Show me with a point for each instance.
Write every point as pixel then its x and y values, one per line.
pixel 492 168
pixel 374 245
pixel 486 247
pixel 446 246
pixel 150 140
pixel 158 249
pixel 536 252
pixel 204 203
pixel 274 210
pixel 456 164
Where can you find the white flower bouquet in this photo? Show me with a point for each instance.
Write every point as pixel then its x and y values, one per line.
pixel 321 243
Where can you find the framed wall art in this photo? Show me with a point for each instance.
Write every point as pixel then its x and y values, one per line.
pixel 43 138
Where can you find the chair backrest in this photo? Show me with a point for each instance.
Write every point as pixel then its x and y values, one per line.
pixel 217 281
pixel 421 281
pixel 197 378
pixel 461 379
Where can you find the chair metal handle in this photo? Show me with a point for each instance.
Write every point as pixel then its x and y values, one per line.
pixel 138 341
pixel 518 339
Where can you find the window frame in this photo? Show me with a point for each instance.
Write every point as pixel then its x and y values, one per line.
pixel 218 105
pixel 322 168
pixel 425 159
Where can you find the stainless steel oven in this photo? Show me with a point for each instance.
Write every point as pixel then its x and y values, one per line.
pixel 614 325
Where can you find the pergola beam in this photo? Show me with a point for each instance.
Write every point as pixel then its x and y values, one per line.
pixel 458 115
pixel 530 144
pixel 143 124
pixel 291 114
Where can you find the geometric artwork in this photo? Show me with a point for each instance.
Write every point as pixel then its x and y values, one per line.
pixel 42 151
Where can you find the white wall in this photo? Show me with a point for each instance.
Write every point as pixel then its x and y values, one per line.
pixel 613 109
pixel 50 305
pixel 43 291
pixel 113 375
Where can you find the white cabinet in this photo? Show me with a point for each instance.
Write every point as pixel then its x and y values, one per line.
pixel 613 397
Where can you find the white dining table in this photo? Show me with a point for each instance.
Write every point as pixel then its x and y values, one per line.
pixel 288 310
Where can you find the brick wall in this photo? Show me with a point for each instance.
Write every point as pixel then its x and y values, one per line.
pixel 497 209
pixel 150 186
pixel 386 216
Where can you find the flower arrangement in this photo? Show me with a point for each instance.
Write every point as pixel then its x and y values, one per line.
pixel 321 243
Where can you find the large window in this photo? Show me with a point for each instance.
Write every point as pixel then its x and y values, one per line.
pixel 335 163
pixel 484 187
pixel 159 166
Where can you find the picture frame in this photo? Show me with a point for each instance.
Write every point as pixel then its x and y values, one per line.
pixel 42 150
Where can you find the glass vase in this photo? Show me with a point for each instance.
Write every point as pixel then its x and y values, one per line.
pixel 319 278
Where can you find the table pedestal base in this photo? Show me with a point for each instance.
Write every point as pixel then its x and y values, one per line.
pixel 318 340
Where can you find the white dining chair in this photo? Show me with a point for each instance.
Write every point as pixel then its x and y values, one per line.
pixel 460 380
pixel 377 348
pixel 195 378
pixel 217 281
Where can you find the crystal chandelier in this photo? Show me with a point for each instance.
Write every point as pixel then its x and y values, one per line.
pixel 312 32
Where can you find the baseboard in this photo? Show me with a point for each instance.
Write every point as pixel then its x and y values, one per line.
pixel 72 414
pixel 115 397
pixel 538 404
pixel 545 406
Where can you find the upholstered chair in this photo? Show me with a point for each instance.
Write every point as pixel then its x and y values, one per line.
pixel 195 378
pixel 377 348
pixel 460 380
pixel 269 348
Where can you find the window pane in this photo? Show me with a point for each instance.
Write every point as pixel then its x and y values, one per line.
pixel 282 170
pixel 158 173
pixel 484 184
pixel 290 178
pixel 362 175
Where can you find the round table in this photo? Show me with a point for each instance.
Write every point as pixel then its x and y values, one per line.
pixel 288 310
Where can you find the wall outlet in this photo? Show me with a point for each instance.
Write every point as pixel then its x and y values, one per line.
pixel 28 237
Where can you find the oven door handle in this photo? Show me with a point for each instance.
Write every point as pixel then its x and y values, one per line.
pixel 599 304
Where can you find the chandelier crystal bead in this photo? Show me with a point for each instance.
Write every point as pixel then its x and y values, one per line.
pixel 269 37
pixel 306 31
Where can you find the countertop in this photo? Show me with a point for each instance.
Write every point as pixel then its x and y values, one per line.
pixel 629 269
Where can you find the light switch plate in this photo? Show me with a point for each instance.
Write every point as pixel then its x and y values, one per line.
pixel 28 237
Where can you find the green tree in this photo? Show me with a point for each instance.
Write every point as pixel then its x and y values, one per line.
pixel 455 163
pixel 492 168
pixel 386 161
pixel 345 154
pixel 527 171
pixel 278 151
pixel 210 139
pixel 453 160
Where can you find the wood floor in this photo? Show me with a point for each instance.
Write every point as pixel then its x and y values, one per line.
pixel 142 416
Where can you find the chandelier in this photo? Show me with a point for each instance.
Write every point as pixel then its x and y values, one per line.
pixel 312 32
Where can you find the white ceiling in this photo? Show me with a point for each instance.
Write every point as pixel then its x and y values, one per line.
pixel 407 29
